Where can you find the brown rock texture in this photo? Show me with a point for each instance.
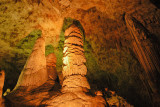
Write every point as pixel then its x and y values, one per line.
pixel 22 97
pixel 75 84
pixel 34 72
pixel 74 69
pixel 2 78
pixel 51 66
pixel 114 100
pixel 105 29
pixel 147 52
pixel 76 99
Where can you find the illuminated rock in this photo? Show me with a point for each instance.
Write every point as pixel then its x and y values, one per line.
pixel 34 97
pixel 98 93
pixel 74 69
pixel 51 66
pixel 75 84
pixel 146 50
pixel 33 85
pixel 34 72
pixel 76 99
pixel 2 78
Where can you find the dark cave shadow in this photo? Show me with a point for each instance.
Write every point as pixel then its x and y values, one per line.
pixel 156 3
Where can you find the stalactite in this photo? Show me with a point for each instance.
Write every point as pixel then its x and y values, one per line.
pixel 144 48
pixel 74 69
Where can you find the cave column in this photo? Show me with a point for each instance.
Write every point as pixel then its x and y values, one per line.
pixel 34 72
pixel 74 68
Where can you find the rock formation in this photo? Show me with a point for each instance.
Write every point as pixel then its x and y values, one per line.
pixel 32 86
pixel 146 50
pixel 107 39
pixel 2 78
pixel 51 67
pixel 74 69
pixel 114 100
pixel 34 72
pixel 75 84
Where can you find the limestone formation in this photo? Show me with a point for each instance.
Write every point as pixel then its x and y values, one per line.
pixel 32 86
pixel 34 72
pixel 103 24
pixel 75 84
pixel 51 66
pixel 76 99
pixel 74 69
pixel 2 78
pixel 146 50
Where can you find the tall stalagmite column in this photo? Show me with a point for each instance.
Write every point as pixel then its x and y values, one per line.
pixel 34 72
pixel 74 68
pixel 146 51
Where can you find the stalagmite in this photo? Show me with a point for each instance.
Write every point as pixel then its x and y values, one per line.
pixel 2 78
pixel 34 72
pixel 146 51
pixel 75 84
pixel 74 69
pixel 51 66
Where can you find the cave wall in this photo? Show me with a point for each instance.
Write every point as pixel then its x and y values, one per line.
pixel 108 49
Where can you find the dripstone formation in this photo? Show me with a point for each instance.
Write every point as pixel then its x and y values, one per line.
pixel 32 80
pixel 38 83
pixel 74 69
pixel 34 72
pixel 146 50
pixel 120 53
pixel 75 84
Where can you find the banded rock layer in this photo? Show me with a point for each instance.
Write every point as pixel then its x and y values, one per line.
pixel 74 68
pixel 75 85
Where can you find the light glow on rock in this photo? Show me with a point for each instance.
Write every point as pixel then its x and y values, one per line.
pixel 65 60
